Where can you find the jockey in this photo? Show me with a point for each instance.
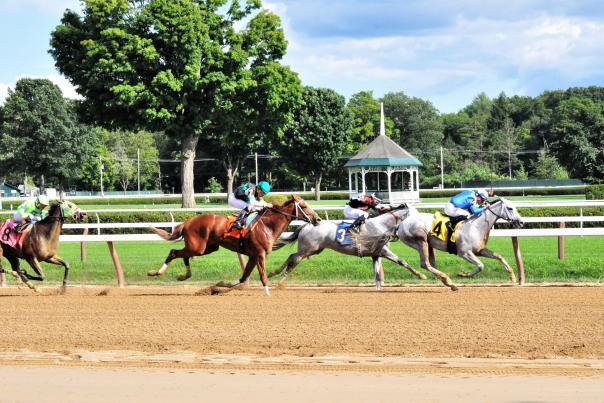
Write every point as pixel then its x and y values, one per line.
pixel 358 208
pixel 248 197
pixel 31 210
pixel 464 204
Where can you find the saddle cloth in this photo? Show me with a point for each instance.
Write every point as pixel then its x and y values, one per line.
pixel 343 234
pixel 231 231
pixel 439 228
pixel 8 235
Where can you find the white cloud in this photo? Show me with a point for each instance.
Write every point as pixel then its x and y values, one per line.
pixel 471 56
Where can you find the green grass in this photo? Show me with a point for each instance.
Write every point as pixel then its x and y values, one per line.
pixel 584 262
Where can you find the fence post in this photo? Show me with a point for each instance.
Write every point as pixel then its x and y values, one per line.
pixel 83 246
pixel 519 263
pixel 2 278
pixel 119 272
pixel 561 243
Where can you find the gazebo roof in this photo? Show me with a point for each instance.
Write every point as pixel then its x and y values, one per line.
pixel 383 151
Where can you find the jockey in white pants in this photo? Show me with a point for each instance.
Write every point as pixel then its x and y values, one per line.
pixel 248 197
pixel 358 209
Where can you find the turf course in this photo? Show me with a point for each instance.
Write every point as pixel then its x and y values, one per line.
pixel 584 263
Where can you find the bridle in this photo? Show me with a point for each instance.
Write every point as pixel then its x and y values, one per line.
pixel 497 215
pixel 303 217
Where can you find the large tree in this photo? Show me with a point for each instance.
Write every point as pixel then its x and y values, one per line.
pixel 317 138
pixel 170 65
pixel 41 136
pixel 419 126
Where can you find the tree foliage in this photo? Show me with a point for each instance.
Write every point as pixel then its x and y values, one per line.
pixel 41 135
pixel 171 65
pixel 318 136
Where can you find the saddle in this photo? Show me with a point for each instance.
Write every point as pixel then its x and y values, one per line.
pixel 11 238
pixel 233 232
pixel 440 230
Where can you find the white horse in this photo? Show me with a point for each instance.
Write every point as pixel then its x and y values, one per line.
pixel 370 240
pixel 471 237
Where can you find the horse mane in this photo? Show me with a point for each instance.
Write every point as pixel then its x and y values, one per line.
pixel 290 201
pixel 54 205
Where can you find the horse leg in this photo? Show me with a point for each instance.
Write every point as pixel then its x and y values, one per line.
pixel 292 261
pixel 471 257
pixel 492 255
pixel 388 254
pixel 262 271
pixel 431 256
pixel 35 264
pixel 424 254
pixel 377 263
pixel 58 261
pixel 19 274
pixel 251 263
pixel 174 253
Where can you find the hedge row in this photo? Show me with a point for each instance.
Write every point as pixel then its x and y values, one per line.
pixel 335 215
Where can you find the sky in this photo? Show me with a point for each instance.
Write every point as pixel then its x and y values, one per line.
pixel 444 51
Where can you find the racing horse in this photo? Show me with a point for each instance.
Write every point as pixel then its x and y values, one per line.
pixel 204 234
pixel 370 240
pixel 471 237
pixel 39 244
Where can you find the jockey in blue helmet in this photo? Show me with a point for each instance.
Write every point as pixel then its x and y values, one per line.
pixel 248 197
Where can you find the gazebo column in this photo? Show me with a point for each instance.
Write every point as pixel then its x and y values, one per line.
pixel 350 182
pixel 388 174
pixel 364 189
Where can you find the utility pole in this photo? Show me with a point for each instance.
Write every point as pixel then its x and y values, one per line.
pixel 256 159
pixel 138 169
pixel 101 169
pixel 442 170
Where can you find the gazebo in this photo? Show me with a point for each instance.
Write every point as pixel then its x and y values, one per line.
pixel 384 166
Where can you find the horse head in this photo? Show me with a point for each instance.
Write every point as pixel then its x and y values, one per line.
pixel 297 208
pixel 506 210
pixel 64 208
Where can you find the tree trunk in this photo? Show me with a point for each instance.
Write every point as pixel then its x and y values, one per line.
pixel 189 144
pixel 318 186
pixel 231 170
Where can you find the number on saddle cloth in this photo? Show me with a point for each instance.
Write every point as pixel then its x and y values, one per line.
pixel 8 234
pixel 343 234
pixel 439 227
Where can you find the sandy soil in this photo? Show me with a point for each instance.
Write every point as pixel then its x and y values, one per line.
pixel 322 344
pixel 396 322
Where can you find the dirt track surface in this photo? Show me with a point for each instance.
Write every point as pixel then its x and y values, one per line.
pixel 359 328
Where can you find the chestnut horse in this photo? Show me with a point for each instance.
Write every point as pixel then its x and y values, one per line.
pixel 204 234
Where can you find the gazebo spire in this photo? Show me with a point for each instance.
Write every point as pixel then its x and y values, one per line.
pixel 382 124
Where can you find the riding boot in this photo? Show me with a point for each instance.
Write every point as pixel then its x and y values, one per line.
pixel 358 222
pixel 451 224
pixel 239 221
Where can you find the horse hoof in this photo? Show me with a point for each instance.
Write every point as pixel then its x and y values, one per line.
pixel 463 274
pixel 422 276
pixel 62 289
pixel 183 277
pixel 454 288
pixel 152 273
pixel 221 284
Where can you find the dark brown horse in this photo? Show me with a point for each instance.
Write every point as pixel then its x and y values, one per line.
pixel 204 234
pixel 40 244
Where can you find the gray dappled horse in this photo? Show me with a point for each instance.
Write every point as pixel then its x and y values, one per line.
pixel 471 237
pixel 40 243
pixel 370 240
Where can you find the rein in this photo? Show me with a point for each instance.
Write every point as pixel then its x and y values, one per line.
pixel 305 216
pixel 497 215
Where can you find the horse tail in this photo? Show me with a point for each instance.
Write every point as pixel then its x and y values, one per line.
pixel 284 240
pixel 175 235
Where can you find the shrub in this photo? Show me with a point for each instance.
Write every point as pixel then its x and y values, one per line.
pixel 594 192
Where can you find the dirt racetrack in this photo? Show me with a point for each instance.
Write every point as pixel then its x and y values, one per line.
pixel 304 324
